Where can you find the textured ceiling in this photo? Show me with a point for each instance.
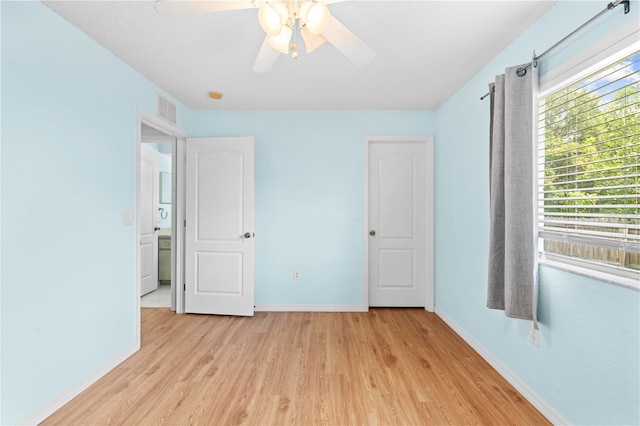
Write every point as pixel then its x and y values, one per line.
pixel 425 51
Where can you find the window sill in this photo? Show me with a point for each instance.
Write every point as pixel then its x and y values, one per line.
pixel 576 267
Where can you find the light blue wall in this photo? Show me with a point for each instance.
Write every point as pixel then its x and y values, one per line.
pixel 587 365
pixel 68 172
pixel 309 196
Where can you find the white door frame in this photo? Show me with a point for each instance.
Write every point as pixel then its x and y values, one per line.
pixel 177 205
pixel 427 140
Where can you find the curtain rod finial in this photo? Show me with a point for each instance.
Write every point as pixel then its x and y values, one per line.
pixel 626 3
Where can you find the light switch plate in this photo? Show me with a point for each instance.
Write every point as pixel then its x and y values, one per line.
pixel 127 218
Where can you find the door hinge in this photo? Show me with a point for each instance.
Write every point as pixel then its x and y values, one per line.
pixel 185 158
pixel 185 223
pixel 184 286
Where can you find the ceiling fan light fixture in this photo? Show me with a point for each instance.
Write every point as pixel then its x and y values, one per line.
pixel 303 11
pixel 280 42
pixel 317 18
pixel 282 10
pixel 270 19
pixel 311 41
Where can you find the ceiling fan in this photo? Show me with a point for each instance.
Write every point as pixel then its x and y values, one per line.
pixel 280 19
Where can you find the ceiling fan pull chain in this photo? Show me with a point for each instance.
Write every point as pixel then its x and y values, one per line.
pixel 294 46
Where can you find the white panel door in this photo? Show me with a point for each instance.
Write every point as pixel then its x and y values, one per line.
pixel 397 222
pixel 148 220
pixel 219 226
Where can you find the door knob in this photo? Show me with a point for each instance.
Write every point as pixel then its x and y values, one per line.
pixel 372 232
pixel 156 228
pixel 247 235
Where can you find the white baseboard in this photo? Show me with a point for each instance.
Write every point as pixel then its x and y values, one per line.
pixel 310 308
pixel 540 404
pixel 67 395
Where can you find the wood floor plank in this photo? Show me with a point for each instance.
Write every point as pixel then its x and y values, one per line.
pixel 383 367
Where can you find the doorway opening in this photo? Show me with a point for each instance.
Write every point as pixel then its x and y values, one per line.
pixel 159 211
pixel 156 207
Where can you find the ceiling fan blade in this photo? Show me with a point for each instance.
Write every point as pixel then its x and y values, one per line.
pixel 311 41
pixel 266 59
pixel 196 7
pixel 348 43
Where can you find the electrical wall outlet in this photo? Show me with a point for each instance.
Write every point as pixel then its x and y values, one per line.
pixel 296 275
pixel 534 336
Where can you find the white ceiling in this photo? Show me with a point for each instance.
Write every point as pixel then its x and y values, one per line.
pixel 425 51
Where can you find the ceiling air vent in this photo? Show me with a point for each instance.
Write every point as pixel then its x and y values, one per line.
pixel 166 109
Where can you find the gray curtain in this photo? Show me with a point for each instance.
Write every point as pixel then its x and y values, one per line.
pixel 512 254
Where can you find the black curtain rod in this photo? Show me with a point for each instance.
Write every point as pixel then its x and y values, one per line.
pixel 609 7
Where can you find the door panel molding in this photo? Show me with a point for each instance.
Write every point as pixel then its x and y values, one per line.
pixel 428 141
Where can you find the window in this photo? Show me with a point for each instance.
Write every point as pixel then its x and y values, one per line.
pixel 589 171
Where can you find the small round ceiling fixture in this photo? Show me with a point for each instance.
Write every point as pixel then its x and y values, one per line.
pixel 215 95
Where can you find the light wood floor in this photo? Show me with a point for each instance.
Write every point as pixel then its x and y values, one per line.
pixel 384 367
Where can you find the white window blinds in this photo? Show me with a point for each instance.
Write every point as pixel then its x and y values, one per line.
pixel 589 167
